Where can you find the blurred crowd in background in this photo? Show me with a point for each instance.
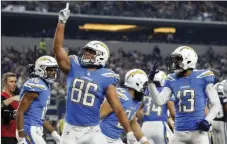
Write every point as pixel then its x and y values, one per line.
pixel 121 61
pixel 202 11
pixel 14 60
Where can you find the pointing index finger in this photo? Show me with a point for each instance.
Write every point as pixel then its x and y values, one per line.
pixel 67 6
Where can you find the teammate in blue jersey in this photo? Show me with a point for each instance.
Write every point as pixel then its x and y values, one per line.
pixel 35 96
pixel 88 82
pixel 219 125
pixel 131 99
pixel 191 89
pixel 155 117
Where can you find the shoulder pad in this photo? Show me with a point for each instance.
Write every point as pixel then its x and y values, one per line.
pixel 170 77
pixel 121 94
pixel 75 59
pixel 111 74
pixel 205 73
pixel 35 83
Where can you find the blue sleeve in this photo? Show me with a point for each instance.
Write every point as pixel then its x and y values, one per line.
pixel 172 98
pixel 167 84
pixel 208 77
pixel 74 60
pixel 111 78
pixel 34 85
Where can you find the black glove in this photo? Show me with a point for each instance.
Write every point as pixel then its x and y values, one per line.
pixel 153 71
pixel 204 125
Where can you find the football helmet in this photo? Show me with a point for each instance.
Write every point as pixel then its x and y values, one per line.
pixel 221 87
pixel 44 65
pixel 160 78
pixel 183 58
pixel 100 57
pixel 136 79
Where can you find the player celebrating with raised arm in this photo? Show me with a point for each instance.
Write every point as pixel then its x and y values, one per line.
pixel 87 84
pixel 191 89
pixel 155 117
pixel 35 96
pixel 131 98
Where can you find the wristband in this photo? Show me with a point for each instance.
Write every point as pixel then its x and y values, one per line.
pixel 143 139
pixel 20 130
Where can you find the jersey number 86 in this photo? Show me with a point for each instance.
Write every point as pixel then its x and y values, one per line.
pixel 79 96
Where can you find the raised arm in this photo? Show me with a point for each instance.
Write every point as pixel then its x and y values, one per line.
pixel 59 52
pixel 162 97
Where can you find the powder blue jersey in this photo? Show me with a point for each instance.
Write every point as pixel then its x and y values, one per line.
pixel 85 92
pixel 153 112
pixel 190 97
pixel 110 125
pixel 35 114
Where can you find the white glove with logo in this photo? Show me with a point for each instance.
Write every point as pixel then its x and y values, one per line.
pixel 21 140
pixel 56 137
pixel 64 14
pixel 131 139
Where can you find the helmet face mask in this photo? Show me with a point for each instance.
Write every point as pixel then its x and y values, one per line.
pixel 46 67
pixel 176 62
pixel 51 73
pixel 183 58
pixel 95 54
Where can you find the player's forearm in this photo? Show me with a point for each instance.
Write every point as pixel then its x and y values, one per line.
pixel 159 98
pixel 59 37
pixel 48 126
pixel 20 123
pixel 137 130
pixel 123 119
pixel 8 101
pixel 215 104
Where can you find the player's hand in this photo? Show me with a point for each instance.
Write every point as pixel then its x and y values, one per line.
pixel 153 71
pixel 16 98
pixel 64 14
pixel 21 140
pixel 131 139
pixel 56 137
pixel 204 125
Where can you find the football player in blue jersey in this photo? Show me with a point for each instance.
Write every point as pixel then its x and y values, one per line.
pixel 191 89
pixel 219 125
pixel 131 98
pixel 35 96
pixel 155 117
pixel 88 82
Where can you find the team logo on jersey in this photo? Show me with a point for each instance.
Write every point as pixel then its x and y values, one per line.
pixel 185 87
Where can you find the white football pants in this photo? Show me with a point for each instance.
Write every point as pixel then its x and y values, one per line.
pixel 157 132
pixel 77 134
pixel 33 135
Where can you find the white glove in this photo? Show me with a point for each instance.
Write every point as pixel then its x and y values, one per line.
pixel 21 140
pixel 64 14
pixel 131 139
pixel 56 137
